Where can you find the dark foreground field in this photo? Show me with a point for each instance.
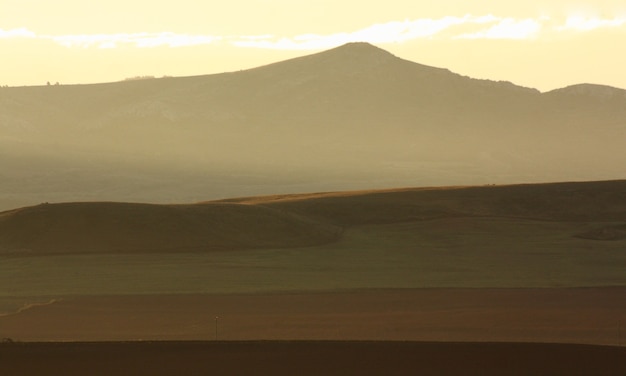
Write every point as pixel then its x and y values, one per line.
pixel 278 358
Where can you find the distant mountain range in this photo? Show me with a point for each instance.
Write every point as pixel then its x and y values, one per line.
pixel 354 117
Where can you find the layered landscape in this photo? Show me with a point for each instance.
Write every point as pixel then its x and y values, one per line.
pixel 349 201
pixel 434 270
pixel 350 118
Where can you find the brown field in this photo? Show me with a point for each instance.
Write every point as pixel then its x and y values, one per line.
pixel 577 315
pixel 525 279
pixel 309 358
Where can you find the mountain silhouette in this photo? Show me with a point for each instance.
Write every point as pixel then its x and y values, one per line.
pixel 353 117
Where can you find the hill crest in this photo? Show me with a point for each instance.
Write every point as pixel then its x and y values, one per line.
pixel 296 220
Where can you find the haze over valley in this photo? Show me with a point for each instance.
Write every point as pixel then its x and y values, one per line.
pixel 353 117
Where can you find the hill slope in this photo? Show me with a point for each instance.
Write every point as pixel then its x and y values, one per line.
pixel 577 201
pixel 298 220
pixel 120 227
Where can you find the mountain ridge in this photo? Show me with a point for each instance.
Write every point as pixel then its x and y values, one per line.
pixel 353 117
pixel 358 49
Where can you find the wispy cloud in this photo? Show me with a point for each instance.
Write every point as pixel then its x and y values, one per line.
pixel 390 32
pixel 507 28
pixel 465 27
pixel 584 23
pixel 16 33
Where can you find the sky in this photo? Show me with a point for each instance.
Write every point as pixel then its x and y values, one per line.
pixel 540 44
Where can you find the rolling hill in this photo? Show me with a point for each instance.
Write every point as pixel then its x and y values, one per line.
pixel 289 221
pixel 354 117
pixel 121 227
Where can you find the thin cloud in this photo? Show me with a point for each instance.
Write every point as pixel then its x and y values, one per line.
pixel 466 27
pixel 92 40
pixel 507 28
pixel 390 32
pixel 17 33
pixel 583 23
pixel 256 37
pixel 493 27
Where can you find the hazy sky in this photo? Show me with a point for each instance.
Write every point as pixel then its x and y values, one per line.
pixel 542 44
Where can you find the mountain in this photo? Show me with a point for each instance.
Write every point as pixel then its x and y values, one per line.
pixel 354 117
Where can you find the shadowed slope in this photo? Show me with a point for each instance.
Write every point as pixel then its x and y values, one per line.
pixel 582 201
pixel 121 227
pixel 296 220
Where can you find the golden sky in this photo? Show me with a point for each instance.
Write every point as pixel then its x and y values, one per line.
pixel 541 44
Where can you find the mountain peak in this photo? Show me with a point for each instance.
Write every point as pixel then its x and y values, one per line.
pixel 360 47
pixel 352 57
pixel 360 50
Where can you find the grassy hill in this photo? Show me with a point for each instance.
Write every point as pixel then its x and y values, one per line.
pixel 121 227
pixel 577 201
pixel 288 221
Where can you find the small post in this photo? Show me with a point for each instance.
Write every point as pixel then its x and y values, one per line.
pixel 216 317
pixel 619 333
